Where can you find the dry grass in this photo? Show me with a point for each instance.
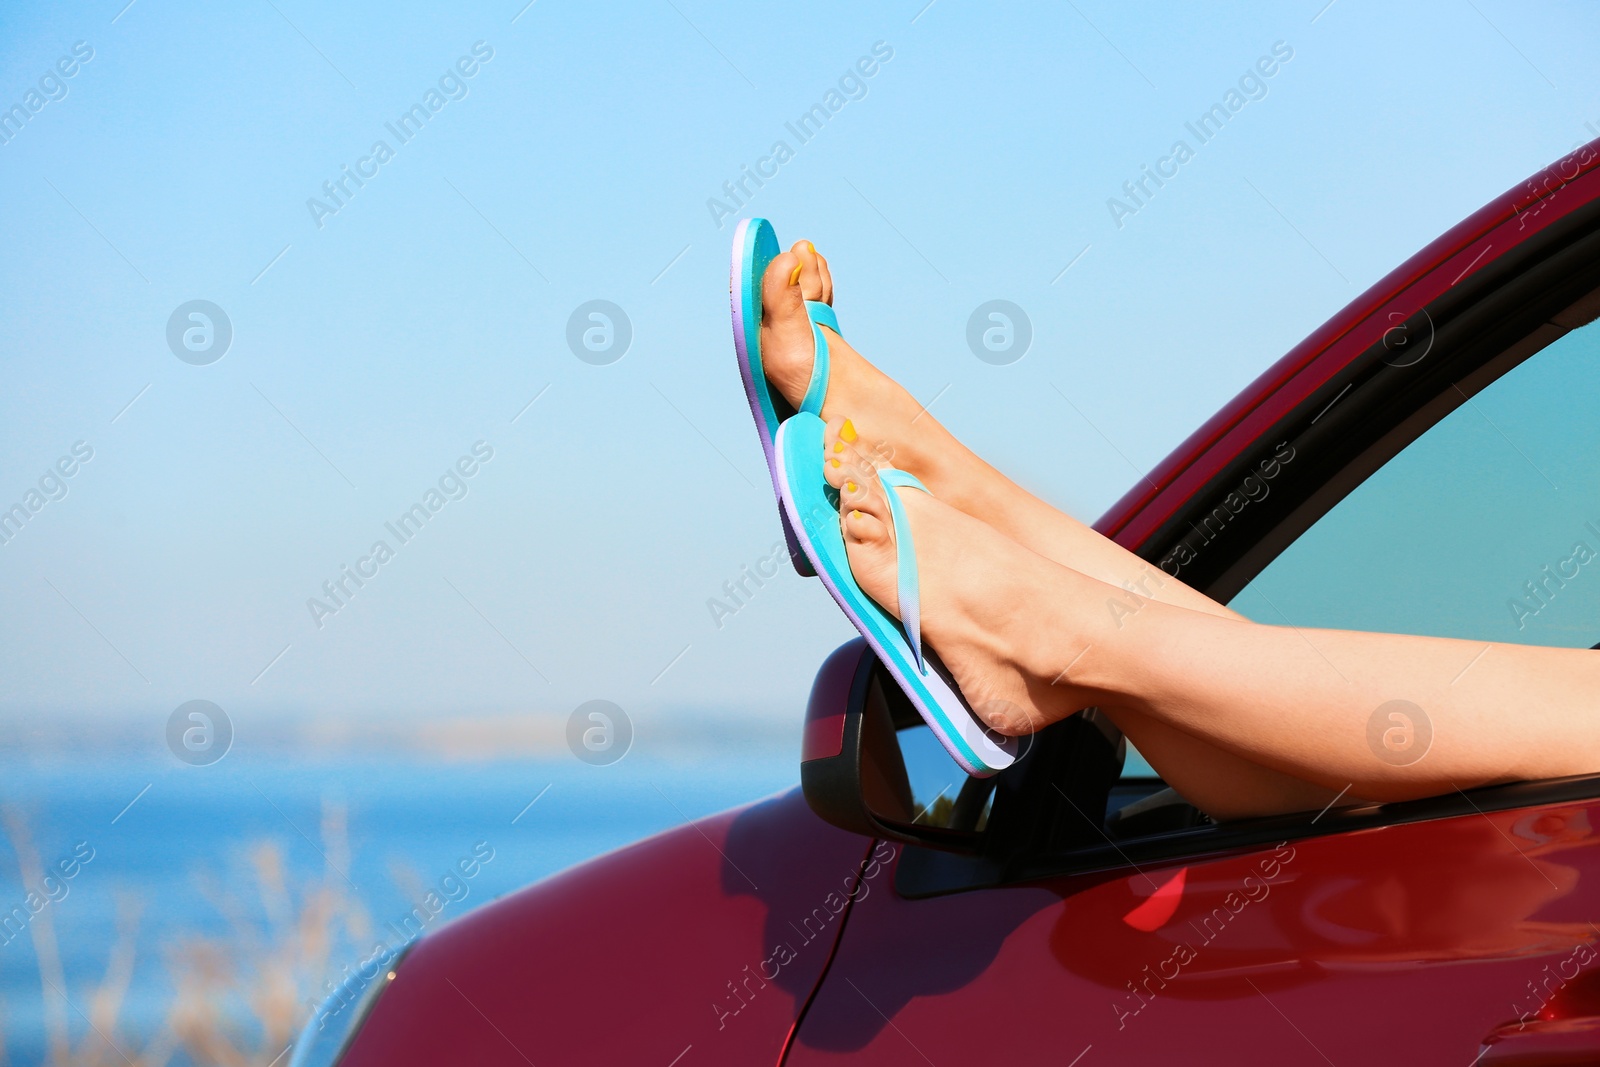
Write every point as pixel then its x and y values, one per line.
pixel 238 1000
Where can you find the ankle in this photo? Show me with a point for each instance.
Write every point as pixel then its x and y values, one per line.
pixel 1085 636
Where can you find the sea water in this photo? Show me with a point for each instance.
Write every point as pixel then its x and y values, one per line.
pixel 181 844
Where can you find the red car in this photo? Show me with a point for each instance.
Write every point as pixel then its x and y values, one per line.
pixel 1429 462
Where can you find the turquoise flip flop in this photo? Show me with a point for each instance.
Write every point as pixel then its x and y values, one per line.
pixel 813 509
pixel 755 245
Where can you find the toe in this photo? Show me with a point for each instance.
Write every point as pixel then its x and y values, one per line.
pixel 844 471
pixel 869 539
pixel 863 525
pixel 786 339
pixel 853 482
pixel 811 277
pixel 864 511
pixel 827 277
pixel 841 442
pixel 781 295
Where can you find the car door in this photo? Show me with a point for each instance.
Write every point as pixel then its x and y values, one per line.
pixel 1428 462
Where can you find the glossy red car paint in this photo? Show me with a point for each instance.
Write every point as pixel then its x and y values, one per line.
pixel 824 729
pixel 1418 939
pixel 1423 939
pixel 661 949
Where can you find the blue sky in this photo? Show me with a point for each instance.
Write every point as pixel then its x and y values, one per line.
pixel 372 352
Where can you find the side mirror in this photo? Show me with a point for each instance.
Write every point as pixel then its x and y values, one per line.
pixel 870 765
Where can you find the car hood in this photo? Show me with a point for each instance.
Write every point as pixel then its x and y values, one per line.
pixel 712 936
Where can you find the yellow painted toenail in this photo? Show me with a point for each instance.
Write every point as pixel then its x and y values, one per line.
pixel 849 487
pixel 811 247
pixel 838 446
pixel 855 514
pixel 794 275
pixel 848 431
pixel 834 462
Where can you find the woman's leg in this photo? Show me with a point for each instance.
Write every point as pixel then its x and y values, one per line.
pixel 1386 716
pixel 889 426
pixel 1028 641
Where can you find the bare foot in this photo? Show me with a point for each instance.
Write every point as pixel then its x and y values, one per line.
pixel 894 428
pixel 999 616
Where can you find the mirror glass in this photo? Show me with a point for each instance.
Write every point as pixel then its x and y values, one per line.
pixel 935 779
pixel 906 775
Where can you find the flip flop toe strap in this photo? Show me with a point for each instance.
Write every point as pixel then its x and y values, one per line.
pixel 820 315
pixel 905 559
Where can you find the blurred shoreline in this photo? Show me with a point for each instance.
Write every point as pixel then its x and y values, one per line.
pixel 672 735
